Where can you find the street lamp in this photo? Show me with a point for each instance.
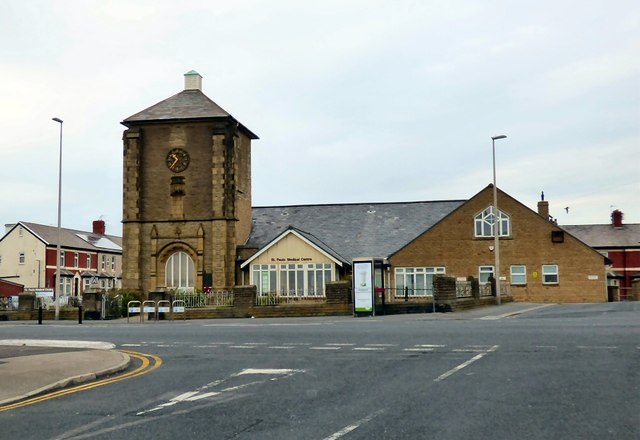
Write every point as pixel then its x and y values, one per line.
pixel 496 221
pixel 58 278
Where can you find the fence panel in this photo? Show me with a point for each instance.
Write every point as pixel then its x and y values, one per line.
pixel 192 300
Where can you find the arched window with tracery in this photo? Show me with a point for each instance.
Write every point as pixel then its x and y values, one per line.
pixel 179 273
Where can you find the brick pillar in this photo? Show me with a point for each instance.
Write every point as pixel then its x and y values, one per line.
pixel 338 292
pixel 244 297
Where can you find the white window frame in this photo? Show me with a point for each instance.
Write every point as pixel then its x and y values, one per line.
pixel 103 263
pixel 76 259
pixel 484 272
pixel 88 261
pixel 416 280
pixel 550 274
pixel 300 280
pixel 113 262
pixel 483 225
pixel 180 274
pixel 62 260
pixel 21 258
pixel 518 278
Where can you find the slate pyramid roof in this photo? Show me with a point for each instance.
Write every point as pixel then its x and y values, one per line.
pixel 190 104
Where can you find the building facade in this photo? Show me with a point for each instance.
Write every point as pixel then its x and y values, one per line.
pixel 186 193
pixel 620 243
pixel 28 253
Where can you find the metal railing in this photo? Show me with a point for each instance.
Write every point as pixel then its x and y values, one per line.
pixel 274 299
pixel 192 300
pixel 407 292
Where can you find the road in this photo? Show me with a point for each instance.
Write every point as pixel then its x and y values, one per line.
pixel 558 372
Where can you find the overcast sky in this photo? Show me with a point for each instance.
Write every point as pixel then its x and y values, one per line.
pixel 353 101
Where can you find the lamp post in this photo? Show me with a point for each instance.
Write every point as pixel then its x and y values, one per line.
pixel 58 278
pixel 496 221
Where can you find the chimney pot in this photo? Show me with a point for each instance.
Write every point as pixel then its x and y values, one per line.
pixel 99 227
pixel 616 218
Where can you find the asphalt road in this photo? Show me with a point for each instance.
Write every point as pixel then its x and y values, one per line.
pixel 560 372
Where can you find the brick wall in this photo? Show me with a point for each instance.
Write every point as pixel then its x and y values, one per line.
pixel 451 243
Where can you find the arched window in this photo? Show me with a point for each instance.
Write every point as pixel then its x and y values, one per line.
pixel 179 271
pixel 484 222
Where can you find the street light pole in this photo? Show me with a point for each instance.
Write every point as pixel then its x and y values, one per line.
pixel 58 278
pixel 496 221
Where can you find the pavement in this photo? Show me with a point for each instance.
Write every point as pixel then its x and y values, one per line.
pixel 30 367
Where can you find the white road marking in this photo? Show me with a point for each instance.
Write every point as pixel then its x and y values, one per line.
pixel 282 347
pixel 369 348
pixel 325 348
pixel 465 364
pixel 267 371
pixel 347 429
pixel 130 345
pixel 380 345
pixel 430 346
pixel 418 349
pixel 202 396
pixel 597 347
pixel 469 350
pixel 340 344
pixel 242 346
pixel 97 345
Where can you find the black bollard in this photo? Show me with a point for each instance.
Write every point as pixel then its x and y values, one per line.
pixel 40 315
pixel 80 315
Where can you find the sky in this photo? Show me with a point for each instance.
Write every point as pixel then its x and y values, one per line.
pixel 353 101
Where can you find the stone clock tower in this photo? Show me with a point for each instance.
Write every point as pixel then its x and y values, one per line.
pixel 186 195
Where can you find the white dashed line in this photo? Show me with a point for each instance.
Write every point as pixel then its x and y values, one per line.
pixel 369 348
pixel 347 429
pixel 325 348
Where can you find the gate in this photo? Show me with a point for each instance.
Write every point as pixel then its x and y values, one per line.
pixel 111 307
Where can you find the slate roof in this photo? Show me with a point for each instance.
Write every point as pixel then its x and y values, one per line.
pixel 70 238
pixel 607 236
pixel 352 230
pixel 188 104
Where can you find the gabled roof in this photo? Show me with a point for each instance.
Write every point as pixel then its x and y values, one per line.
pixel 352 230
pixel 309 238
pixel 72 238
pixel 607 236
pixel 189 104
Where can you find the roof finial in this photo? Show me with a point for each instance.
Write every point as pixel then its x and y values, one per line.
pixel 192 80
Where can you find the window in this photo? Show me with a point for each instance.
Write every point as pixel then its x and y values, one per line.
pixel 76 259
pixel 292 279
pixel 61 258
pixel 88 261
pixel 113 262
pixel 103 264
pixel 317 277
pixel 21 258
pixel 550 274
pixel 265 278
pixel 518 274
pixel 485 220
pixel 416 281
pixel 484 272
pixel 20 231
pixel 180 271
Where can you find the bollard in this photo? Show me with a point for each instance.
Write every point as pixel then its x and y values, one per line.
pixel 79 314
pixel 40 315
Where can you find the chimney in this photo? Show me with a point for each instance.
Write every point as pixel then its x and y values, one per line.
pixel 99 227
pixel 543 209
pixel 616 218
pixel 192 81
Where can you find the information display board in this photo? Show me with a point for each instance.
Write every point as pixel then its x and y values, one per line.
pixel 363 286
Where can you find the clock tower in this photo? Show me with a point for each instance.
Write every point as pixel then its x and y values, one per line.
pixel 186 193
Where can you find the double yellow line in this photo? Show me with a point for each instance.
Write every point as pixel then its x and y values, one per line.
pixel 145 367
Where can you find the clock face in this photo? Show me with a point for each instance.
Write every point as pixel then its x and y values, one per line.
pixel 177 160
